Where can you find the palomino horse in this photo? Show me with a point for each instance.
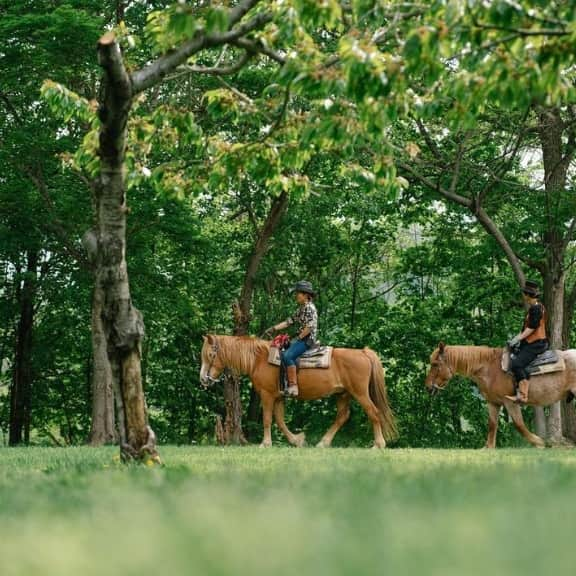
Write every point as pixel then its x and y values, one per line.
pixel 483 366
pixel 353 373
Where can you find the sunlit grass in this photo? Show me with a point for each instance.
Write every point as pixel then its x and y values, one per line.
pixel 285 511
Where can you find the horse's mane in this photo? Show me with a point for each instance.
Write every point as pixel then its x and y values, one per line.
pixel 240 352
pixel 467 359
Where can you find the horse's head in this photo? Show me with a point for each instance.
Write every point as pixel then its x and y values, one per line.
pixel 440 371
pixel 212 365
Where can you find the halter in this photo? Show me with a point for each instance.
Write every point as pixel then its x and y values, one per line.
pixel 435 388
pixel 213 356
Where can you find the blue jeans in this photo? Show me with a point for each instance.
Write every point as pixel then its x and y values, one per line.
pixel 296 349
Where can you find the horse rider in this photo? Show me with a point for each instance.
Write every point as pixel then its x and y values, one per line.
pixel 531 341
pixel 306 320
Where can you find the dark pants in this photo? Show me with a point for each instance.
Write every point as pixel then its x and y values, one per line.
pixel 521 359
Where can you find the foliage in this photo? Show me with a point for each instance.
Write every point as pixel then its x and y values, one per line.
pixel 248 511
pixel 332 127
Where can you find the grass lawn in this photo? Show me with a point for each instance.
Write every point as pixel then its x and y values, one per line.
pixel 213 511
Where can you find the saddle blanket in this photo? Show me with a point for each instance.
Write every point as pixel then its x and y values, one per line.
pixel 545 363
pixel 320 357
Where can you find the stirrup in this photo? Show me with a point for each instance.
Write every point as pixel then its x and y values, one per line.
pixel 292 391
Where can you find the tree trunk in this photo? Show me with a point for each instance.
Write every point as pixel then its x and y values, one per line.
pixel 232 429
pixel 103 426
pixel 568 409
pixel 554 303
pixel 550 131
pixel 21 389
pixel 233 433
pixel 540 421
pixel 120 9
pixel 253 415
pixel 355 280
pixel 122 323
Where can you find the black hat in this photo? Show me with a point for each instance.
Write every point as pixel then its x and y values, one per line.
pixel 531 289
pixel 303 286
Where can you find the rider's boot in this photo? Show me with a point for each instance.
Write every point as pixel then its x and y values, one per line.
pixel 521 393
pixel 291 372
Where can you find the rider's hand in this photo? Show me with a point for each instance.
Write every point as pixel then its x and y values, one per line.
pixel 514 342
pixel 269 331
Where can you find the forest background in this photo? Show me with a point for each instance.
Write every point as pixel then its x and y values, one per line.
pixel 413 161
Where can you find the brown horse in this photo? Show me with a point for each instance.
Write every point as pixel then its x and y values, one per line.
pixel 353 373
pixel 483 366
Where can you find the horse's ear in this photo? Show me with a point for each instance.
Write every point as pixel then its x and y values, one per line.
pixel 209 338
pixel 441 347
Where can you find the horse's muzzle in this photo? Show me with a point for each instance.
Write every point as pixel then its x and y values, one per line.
pixel 435 389
pixel 208 381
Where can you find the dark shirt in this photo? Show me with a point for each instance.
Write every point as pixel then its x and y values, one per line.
pixel 534 316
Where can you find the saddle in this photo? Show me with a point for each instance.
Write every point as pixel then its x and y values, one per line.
pixel 317 357
pixel 545 363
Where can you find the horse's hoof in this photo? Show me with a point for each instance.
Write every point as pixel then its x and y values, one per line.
pixel 266 445
pixel 322 444
pixel 300 440
pixel 379 446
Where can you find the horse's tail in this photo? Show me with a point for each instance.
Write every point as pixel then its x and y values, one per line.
pixel 379 395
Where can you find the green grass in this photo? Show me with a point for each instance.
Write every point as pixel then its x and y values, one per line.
pixel 283 511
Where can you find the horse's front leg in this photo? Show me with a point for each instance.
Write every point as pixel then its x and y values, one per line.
pixel 493 415
pixel 267 409
pixel 295 439
pixel 516 415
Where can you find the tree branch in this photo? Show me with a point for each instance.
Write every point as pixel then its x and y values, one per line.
pixel 116 102
pixel 259 250
pixel 458 163
pixel 151 74
pixel 428 139
pixel 523 31
pixel 490 226
pixel 258 47
pixel 487 223
pixel 239 11
pixel 452 196
pixel 279 118
pixel 380 294
pixel 213 70
pixel 10 107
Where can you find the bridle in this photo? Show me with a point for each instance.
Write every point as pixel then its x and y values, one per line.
pixel 213 356
pixel 435 389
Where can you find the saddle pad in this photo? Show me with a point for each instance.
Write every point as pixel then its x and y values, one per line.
pixel 536 368
pixel 548 357
pixel 321 357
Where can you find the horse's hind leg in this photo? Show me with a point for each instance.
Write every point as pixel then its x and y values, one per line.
pixel 516 415
pixel 374 416
pixel 295 439
pixel 343 406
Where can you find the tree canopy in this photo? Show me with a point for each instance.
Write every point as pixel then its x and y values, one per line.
pixel 413 160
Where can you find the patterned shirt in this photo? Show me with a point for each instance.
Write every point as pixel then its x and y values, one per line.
pixel 306 317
